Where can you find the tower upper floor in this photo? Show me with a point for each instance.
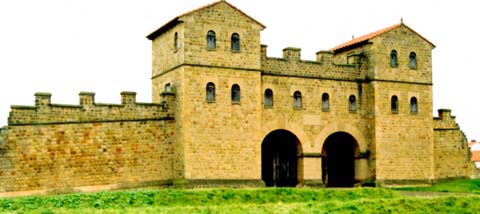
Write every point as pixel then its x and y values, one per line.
pixel 220 35
pixel 217 34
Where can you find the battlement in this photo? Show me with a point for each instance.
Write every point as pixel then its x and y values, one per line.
pixel 445 120
pixel 45 112
pixel 292 65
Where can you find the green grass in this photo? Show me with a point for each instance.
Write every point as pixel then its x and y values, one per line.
pixel 458 186
pixel 264 200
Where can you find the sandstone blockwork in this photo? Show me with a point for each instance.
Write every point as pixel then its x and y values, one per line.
pixel 226 114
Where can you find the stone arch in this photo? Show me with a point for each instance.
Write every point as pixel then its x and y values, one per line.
pixel 281 124
pixel 361 161
pixel 340 127
pixel 338 160
pixel 282 159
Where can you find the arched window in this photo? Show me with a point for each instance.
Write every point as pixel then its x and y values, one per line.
pixel 352 103
pixel 413 105
pixel 413 60
pixel 168 87
pixel 176 45
pixel 211 41
pixel 325 102
pixel 268 98
pixel 297 100
pixel 393 59
pixel 210 92
pixel 235 93
pixel 394 104
pixel 235 42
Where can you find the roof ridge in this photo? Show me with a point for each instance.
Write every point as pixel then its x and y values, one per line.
pixel 366 37
pixel 176 19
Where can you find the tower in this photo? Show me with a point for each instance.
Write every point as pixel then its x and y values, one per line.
pixel 210 57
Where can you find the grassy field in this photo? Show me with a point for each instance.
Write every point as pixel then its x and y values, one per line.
pixel 266 200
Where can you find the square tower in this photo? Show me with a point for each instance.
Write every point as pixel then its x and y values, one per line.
pixel 210 57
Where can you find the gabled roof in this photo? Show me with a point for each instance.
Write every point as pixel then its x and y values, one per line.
pixel 367 37
pixel 177 20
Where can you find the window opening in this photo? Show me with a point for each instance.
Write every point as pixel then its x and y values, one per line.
pixel 210 92
pixel 175 41
pixel 211 40
pixel 413 105
pixel 235 42
pixel 394 104
pixel 325 102
pixel 393 59
pixel 352 100
pixel 268 99
pixel 413 60
pixel 297 100
pixel 235 93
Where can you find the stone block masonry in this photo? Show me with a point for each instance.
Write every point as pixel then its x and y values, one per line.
pixel 64 148
pixel 225 114
pixel 452 155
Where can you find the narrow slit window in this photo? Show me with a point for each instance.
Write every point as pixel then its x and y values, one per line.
pixel 235 93
pixel 210 92
pixel 413 105
pixel 176 45
pixel 211 40
pixel 297 100
pixel 325 102
pixel 268 99
pixel 352 103
pixel 394 104
pixel 413 60
pixel 393 59
pixel 235 42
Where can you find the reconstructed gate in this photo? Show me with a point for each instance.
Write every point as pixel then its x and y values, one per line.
pixel 338 160
pixel 281 150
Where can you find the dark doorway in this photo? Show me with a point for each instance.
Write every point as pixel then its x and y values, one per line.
pixel 280 150
pixel 338 160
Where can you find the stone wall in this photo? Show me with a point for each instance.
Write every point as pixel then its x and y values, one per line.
pixel 292 65
pixel 51 147
pixel 403 139
pixel 452 155
pixel 221 137
pixel 313 125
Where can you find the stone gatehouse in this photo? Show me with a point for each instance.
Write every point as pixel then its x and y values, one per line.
pixel 224 113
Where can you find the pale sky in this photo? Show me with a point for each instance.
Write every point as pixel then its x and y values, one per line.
pixel 68 46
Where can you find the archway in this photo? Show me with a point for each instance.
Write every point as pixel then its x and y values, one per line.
pixel 281 159
pixel 338 160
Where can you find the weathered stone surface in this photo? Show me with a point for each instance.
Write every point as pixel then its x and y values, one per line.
pixel 183 139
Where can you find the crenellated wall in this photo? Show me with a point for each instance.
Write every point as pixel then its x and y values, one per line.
pixel 44 112
pixel 64 148
pixel 452 155
pixel 291 65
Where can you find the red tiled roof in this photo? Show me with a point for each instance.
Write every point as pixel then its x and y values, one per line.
pixel 475 156
pixel 175 20
pixel 372 35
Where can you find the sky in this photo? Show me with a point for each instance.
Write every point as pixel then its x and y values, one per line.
pixel 68 46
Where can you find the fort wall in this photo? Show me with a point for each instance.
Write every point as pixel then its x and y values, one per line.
pixel 291 65
pixel 452 155
pixel 65 148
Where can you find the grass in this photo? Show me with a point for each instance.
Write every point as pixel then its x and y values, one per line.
pixel 265 200
pixel 457 186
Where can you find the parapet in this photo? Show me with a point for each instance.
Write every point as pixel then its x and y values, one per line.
pixel 291 53
pixel 44 112
pixel 325 56
pixel 445 120
pixel 292 65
